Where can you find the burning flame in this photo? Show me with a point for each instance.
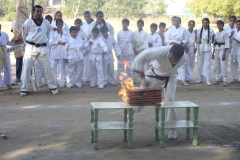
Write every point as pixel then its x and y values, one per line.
pixel 126 82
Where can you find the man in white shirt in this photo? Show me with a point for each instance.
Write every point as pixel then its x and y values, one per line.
pixel 164 64
pixel 36 33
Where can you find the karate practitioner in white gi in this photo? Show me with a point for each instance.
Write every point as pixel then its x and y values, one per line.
pixel 125 40
pixel 204 49
pixel 36 33
pixel 191 49
pixel 81 33
pixel 178 34
pixel 165 61
pixel 154 39
pixel 74 49
pixel 232 29
pixel 108 60
pixel 221 44
pixel 5 63
pixel 86 27
pixel 97 49
pixel 58 15
pixel 58 54
pixel 235 52
pixel 162 32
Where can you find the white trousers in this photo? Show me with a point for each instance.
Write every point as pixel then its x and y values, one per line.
pixel 169 95
pixel 204 62
pixel 96 73
pixel 191 60
pixel 128 58
pixel 59 71
pixel 184 71
pixel 108 70
pixel 220 66
pixel 235 66
pixel 39 71
pixel 75 73
pixel 7 73
pixel 41 53
pixel 86 72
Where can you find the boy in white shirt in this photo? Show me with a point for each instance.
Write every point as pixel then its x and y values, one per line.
pixel 125 41
pixel 154 39
pixel 108 60
pixel 74 47
pixel 221 44
pixel 97 49
pixel 140 38
pixel 162 32
pixel 81 33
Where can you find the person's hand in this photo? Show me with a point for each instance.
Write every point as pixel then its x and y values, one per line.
pixel 213 56
pixel 172 43
pixel 118 57
pixel 66 61
pixel 224 56
pixel 195 50
pixel 105 52
pixel 232 33
pixel 97 22
pixel 90 43
pixel 195 30
pixel 150 44
pixel 213 36
pixel 55 29
pixel 186 49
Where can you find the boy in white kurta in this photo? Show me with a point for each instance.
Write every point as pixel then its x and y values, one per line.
pixel 86 27
pixel 154 39
pixel 178 35
pixel 204 48
pixel 125 40
pixel 190 49
pixel 58 53
pixel 97 49
pixel 221 44
pixel 235 52
pixel 108 60
pixel 140 42
pixel 5 63
pixel 36 33
pixel 164 64
pixel 232 29
pixel 74 49
pixel 162 32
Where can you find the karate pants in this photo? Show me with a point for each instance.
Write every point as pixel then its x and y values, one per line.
pixel 75 73
pixel 39 71
pixel 204 62
pixel 96 72
pixel 128 58
pixel 7 73
pixel 169 95
pixel 59 71
pixel 184 71
pixel 108 70
pixel 41 53
pixel 235 66
pixel 220 66
pixel 191 61
pixel 86 72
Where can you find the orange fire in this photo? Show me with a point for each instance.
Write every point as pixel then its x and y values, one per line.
pixel 126 83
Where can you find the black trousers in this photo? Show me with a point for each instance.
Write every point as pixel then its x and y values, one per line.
pixel 19 63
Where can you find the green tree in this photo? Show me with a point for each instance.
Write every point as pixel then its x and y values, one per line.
pixel 155 7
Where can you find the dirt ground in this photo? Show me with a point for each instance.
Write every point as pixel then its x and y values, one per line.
pixel 42 126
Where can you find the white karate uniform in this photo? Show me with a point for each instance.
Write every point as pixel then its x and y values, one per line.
pixel 58 56
pixel 39 72
pixel 162 67
pixel 82 34
pixel 125 40
pixel 110 28
pixel 162 38
pixel 235 54
pixel 191 53
pixel 155 39
pixel 96 61
pixel 108 60
pixel 5 63
pixel 74 49
pixel 38 34
pixel 86 73
pixel 178 35
pixel 204 53
pixel 221 66
pixel 234 64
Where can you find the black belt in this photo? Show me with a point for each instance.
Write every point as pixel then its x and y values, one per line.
pixel 37 45
pixel 219 44
pixel 159 77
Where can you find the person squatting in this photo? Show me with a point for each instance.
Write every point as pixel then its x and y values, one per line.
pixel 66 57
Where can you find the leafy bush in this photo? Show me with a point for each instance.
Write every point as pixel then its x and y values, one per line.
pixel 10 16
